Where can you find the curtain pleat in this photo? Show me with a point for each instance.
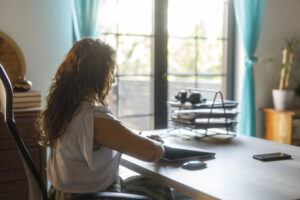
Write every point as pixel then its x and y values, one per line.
pixel 249 17
pixel 85 16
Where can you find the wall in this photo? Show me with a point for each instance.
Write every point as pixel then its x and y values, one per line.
pixel 281 20
pixel 43 31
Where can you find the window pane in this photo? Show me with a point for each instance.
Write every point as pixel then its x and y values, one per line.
pixel 210 56
pixel 196 45
pixel 181 55
pixel 125 16
pixel 108 16
pixel 139 123
pixel 134 55
pixel 135 16
pixel 112 100
pixel 134 95
pixel 196 17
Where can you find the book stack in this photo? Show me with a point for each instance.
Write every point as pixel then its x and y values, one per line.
pixel 29 99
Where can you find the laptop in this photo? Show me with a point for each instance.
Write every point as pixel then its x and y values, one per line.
pixel 173 154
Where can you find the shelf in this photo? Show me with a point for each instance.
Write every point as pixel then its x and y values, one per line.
pixel 290 111
pixel 281 125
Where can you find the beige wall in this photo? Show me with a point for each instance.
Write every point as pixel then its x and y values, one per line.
pixel 281 20
pixel 43 31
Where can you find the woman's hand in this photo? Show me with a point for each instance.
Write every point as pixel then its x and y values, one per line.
pixel 156 138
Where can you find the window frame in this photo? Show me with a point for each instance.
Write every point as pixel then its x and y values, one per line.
pixel 160 56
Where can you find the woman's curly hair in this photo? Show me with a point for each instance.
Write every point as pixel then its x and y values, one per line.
pixel 85 74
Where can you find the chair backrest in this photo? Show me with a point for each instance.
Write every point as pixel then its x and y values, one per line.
pixel 37 190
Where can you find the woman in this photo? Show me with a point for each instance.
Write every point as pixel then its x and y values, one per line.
pixel 85 138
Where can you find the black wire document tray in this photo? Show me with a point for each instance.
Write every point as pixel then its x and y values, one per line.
pixel 173 154
pixel 190 111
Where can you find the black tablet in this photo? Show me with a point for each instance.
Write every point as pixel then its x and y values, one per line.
pixel 173 154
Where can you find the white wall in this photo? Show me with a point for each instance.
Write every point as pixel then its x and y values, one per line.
pixel 281 20
pixel 43 31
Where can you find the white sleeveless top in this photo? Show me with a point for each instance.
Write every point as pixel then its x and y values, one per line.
pixel 73 166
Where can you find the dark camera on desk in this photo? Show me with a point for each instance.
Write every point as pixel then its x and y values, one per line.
pixel 194 97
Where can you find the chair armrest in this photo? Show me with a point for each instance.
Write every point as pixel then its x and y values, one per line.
pixel 110 195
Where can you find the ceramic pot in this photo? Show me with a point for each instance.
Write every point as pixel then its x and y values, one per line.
pixel 282 99
pixel 22 85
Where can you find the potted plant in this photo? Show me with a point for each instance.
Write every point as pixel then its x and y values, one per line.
pixel 284 95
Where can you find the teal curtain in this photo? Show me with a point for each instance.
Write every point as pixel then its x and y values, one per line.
pixel 249 16
pixel 85 14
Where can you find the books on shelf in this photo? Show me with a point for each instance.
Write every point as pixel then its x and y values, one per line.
pixel 29 99
pixel 27 105
pixel 29 93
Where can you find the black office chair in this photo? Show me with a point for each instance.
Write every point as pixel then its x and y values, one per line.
pixel 37 189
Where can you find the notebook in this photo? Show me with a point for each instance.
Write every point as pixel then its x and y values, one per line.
pixel 173 154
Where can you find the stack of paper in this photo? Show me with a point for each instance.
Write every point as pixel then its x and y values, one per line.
pixel 29 99
pixel 208 114
pixel 205 113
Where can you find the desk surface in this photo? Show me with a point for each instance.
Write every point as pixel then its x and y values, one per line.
pixel 233 174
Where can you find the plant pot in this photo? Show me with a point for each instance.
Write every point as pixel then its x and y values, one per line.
pixel 282 99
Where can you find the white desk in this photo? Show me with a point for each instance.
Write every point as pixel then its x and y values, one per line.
pixel 233 174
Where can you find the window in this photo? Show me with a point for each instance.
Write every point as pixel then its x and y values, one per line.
pixel 131 36
pixel 190 50
pixel 196 49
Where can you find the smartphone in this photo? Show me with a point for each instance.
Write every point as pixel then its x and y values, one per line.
pixel 272 156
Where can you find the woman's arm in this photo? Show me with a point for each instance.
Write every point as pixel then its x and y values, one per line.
pixel 117 136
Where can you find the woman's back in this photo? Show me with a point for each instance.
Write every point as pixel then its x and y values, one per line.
pixel 73 166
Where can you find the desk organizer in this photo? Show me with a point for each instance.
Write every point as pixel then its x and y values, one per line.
pixel 201 113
